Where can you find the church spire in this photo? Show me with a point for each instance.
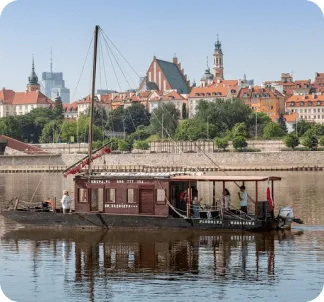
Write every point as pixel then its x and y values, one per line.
pixel 218 61
pixel 33 79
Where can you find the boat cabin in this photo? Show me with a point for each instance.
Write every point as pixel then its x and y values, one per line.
pixel 157 194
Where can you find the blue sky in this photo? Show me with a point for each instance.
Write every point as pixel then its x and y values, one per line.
pixel 259 38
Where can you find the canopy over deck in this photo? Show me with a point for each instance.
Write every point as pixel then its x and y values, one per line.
pixel 178 176
pixel 225 178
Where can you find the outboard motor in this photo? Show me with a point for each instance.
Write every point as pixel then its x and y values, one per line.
pixel 286 217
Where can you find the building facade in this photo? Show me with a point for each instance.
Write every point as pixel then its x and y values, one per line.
pixel 54 84
pixel 165 76
pixel 266 100
pixel 307 107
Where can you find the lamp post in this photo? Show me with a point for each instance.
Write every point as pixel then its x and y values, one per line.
pixel 208 126
pixel 296 124
pixel 124 127
pixel 256 125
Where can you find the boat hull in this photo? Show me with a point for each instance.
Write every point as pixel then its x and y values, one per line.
pixel 109 221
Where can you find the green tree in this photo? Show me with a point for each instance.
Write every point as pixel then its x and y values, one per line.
pixel 302 127
pixel 33 123
pixel 193 129
pixel 321 141
pixel 123 145
pixel 58 108
pixel 315 129
pixel 239 129
pixel 291 140
pixel 128 119
pixel 168 115
pixel 51 132
pixel 273 130
pixel 142 145
pixel 310 142
pixel 224 114
pixel 282 122
pixel 142 132
pixel 10 126
pixel 68 129
pixel 239 142
pixel 256 122
pixel 184 111
pixel 221 143
pixel 136 115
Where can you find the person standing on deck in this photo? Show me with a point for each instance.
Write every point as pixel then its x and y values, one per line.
pixel 243 199
pixel 195 207
pixel 66 202
pixel 227 199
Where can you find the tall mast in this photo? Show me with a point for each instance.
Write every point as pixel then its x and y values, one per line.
pixel 95 48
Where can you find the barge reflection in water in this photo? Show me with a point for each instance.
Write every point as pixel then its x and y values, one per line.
pixel 92 259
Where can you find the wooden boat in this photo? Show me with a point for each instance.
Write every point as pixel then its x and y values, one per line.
pixel 150 200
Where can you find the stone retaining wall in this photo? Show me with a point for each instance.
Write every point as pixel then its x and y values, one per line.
pixel 227 159
pixel 232 159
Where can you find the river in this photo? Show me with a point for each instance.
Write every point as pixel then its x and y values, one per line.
pixel 53 265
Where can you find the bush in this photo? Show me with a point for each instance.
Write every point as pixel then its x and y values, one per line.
pixel 142 145
pixel 310 142
pixel 291 141
pixel 221 143
pixel 248 150
pixel 239 129
pixel 239 142
pixel 123 145
pixel 273 130
pixel 321 141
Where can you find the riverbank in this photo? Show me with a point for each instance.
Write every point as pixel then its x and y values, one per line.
pixel 163 162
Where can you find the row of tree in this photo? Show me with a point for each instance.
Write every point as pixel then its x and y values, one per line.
pixel 222 119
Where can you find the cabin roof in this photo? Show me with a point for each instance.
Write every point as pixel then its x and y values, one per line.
pixel 180 176
pixel 224 178
pixel 137 175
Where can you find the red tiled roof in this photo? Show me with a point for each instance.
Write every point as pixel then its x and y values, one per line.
pixel 257 89
pixel 219 91
pixel 305 98
pixel 172 95
pixel 32 97
pixel 70 107
pixel 6 96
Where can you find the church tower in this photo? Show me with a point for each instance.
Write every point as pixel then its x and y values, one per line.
pixel 218 61
pixel 33 80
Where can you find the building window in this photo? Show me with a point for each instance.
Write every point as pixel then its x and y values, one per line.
pixel 309 103
pixel 110 195
pixel 292 104
pixel 131 196
pixel 82 195
pixel 302 103
pixel 160 196
pixel 318 103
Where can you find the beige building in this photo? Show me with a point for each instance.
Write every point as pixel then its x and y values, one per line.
pixel 307 107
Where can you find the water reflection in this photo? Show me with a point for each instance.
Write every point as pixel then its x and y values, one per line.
pixel 95 257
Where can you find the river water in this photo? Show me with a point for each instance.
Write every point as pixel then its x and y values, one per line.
pixel 53 265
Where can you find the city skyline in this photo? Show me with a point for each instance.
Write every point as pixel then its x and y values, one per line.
pixel 258 39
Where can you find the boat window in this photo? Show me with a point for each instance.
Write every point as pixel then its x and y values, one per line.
pixel 82 195
pixel 160 196
pixel 131 196
pixel 110 195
